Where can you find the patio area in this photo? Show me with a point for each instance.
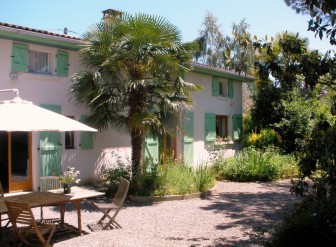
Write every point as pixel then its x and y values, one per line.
pixel 239 215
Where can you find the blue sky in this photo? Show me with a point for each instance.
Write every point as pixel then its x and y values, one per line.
pixel 265 17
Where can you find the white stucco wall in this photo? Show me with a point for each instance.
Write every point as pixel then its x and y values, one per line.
pixel 50 89
pixel 204 102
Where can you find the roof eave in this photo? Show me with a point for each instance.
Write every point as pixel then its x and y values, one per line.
pixel 27 36
pixel 216 72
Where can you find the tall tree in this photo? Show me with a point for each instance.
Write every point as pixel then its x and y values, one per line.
pixel 224 51
pixel 211 42
pixel 132 80
pixel 287 60
pixel 238 54
pixel 285 67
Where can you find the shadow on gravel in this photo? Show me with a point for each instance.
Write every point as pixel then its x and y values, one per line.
pixel 61 234
pixel 256 214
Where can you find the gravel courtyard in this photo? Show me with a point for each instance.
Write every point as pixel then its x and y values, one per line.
pixel 238 216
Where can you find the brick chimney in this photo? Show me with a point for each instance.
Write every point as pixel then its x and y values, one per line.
pixel 111 12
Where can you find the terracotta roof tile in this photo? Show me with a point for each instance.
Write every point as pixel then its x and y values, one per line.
pixel 4 24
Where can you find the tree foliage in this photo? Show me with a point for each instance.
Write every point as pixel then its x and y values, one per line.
pixel 319 151
pixel 299 110
pixel 287 60
pixel 323 13
pixel 217 49
pixel 211 42
pixel 132 80
pixel 289 79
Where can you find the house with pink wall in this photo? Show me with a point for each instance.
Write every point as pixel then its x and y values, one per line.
pixel 40 63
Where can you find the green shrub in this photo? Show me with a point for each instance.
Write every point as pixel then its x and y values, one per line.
pixel 286 163
pixel 172 179
pixel 266 138
pixel 310 223
pixel 250 165
pixel 204 177
pixel 146 181
pixel 159 180
pixel 255 165
pixel 218 167
pixel 175 179
pixel 110 177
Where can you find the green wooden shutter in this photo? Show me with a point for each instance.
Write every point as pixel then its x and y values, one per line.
pixel 50 149
pixel 210 127
pixel 86 138
pixel 20 58
pixel 231 91
pixel 152 149
pixel 215 86
pixel 62 63
pixel 188 138
pixel 237 127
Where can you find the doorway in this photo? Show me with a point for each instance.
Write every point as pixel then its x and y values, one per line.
pixel 15 161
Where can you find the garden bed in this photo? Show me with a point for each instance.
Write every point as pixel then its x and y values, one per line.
pixel 210 192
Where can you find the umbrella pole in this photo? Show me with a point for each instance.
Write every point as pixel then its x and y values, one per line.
pixel 14 90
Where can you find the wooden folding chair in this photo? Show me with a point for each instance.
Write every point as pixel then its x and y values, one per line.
pixel 6 219
pixel 115 206
pixel 49 183
pixel 25 227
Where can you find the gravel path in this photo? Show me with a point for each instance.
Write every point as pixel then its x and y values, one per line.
pixel 240 215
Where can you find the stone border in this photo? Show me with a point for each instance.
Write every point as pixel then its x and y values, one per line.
pixel 142 199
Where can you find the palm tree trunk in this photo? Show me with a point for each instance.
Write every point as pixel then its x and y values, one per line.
pixel 137 139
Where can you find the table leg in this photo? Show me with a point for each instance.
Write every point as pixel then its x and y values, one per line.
pixel 79 216
pixel 62 211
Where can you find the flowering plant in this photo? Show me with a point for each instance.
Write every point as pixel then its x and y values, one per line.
pixel 223 139
pixel 69 176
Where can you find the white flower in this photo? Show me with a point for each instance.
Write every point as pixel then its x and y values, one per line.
pixel 69 176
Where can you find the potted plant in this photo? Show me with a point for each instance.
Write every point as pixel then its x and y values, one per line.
pixel 69 177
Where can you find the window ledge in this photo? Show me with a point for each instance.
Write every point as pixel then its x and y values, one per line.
pixel 224 98
pixel 224 143
pixel 40 76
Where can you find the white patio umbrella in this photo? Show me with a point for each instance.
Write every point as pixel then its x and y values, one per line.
pixel 22 115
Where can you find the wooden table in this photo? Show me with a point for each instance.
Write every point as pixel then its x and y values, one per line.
pixel 35 199
pixel 54 197
pixel 76 196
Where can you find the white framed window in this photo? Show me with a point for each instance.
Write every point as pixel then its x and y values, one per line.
pixel 223 88
pixel 222 126
pixel 216 127
pixel 39 62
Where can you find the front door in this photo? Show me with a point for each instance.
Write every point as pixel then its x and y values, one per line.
pixel 15 161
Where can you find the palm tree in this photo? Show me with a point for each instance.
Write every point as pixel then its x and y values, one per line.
pixel 133 78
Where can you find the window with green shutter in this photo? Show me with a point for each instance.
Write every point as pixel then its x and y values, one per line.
pixel 237 127
pixel 39 62
pixel 188 137
pixel 152 149
pixel 210 127
pixel 230 90
pixel 215 86
pixel 50 148
pixel 86 138
pixel 20 57
pixel 62 64
pixel 222 87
